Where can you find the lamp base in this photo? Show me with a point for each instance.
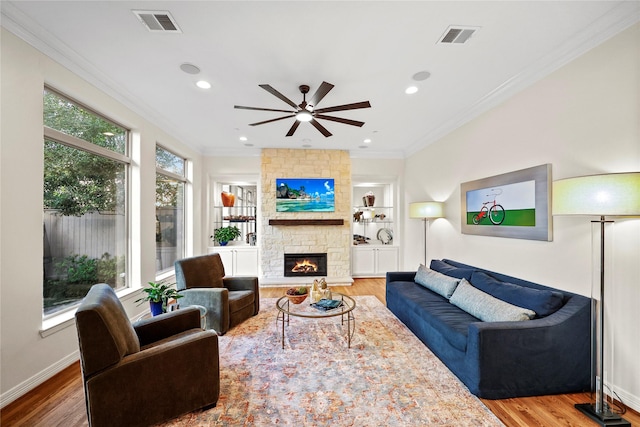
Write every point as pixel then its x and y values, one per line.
pixel 606 418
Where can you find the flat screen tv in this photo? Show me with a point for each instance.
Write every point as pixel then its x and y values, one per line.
pixel 305 195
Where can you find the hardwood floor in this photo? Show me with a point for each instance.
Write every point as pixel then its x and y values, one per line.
pixel 60 400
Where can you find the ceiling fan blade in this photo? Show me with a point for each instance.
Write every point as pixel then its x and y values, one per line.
pixel 354 106
pixel 293 128
pixel 280 96
pixel 241 107
pixel 321 128
pixel 340 120
pixel 272 120
pixel 320 93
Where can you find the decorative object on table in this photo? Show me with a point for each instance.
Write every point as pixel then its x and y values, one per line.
pixel 385 235
pixel 327 304
pixel 315 294
pixel 224 235
pixel 158 294
pixel 615 194
pixel 297 295
pixel 368 199
pixel 228 199
pixel 324 288
pixel 426 211
pixel 515 204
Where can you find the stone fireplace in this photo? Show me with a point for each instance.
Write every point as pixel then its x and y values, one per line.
pixel 298 232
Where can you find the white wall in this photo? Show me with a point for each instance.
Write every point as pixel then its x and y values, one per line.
pixel 27 357
pixel 583 119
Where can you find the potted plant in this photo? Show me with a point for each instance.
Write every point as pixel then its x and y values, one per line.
pixel 158 294
pixel 297 295
pixel 223 235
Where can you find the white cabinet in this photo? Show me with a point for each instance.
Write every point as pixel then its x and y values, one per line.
pixel 373 260
pixel 238 261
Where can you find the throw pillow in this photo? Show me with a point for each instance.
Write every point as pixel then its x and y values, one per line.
pixel 543 302
pixel 450 270
pixel 485 307
pixel 436 282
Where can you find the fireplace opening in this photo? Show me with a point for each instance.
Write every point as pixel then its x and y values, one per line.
pixel 296 265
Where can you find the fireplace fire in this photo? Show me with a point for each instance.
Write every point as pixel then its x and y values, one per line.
pixel 305 265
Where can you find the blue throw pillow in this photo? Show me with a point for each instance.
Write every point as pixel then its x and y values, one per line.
pixel 436 282
pixel 543 302
pixel 485 307
pixel 450 270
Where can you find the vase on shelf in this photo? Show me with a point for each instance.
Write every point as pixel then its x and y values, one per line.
pixel 228 199
pixel 369 199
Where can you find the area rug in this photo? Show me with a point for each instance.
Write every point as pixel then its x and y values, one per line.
pixel 387 377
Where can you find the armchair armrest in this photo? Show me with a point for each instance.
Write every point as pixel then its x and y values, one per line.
pixel 166 325
pixel 215 300
pixel 241 283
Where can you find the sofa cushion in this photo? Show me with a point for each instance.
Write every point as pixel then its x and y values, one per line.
pixel 434 310
pixel 543 302
pixel 437 282
pixel 450 270
pixel 486 307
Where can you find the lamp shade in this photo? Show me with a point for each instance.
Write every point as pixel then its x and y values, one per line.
pixel 616 194
pixel 426 210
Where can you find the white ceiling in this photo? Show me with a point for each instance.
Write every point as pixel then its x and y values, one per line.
pixel 368 49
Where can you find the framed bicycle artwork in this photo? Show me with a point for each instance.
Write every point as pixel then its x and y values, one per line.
pixel 515 205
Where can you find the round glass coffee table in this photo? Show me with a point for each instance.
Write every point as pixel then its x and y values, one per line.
pixel 305 309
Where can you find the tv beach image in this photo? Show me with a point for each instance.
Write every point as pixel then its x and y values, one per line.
pixel 305 195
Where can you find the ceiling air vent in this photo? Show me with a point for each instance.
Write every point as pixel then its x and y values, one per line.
pixel 457 35
pixel 157 21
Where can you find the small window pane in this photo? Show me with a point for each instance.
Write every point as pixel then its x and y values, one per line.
pixel 85 226
pixel 65 116
pixel 168 161
pixel 169 222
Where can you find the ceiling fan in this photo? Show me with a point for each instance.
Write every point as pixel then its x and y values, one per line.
pixel 306 111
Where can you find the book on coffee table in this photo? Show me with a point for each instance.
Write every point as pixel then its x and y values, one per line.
pixel 327 304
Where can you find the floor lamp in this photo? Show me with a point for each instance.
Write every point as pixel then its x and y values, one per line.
pixel 599 195
pixel 426 211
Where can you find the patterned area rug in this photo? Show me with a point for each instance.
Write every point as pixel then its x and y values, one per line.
pixel 387 377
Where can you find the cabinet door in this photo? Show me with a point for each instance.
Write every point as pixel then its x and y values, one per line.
pixel 387 260
pixel 363 261
pixel 227 260
pixel 246 262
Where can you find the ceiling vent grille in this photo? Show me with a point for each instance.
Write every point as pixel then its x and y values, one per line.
pixel 457 35
pixel 157 21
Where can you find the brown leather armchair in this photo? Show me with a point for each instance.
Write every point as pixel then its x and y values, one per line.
pixel 142 374
pixel 229 300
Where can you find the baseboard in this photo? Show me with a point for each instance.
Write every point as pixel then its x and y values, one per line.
pixel 42 376
pixel 630 400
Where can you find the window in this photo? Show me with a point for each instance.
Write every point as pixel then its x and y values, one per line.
pixel 85 219
pixel 170 186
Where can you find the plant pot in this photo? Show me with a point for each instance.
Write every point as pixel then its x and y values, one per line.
pixel 156 307
pixel 228 199
pixel 223 243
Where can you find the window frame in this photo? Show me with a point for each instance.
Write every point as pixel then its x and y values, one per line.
pixel 59 318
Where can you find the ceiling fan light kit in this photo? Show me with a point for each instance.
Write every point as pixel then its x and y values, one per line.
pixel 306 112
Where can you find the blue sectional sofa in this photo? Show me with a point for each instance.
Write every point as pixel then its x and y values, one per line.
pixel 548 354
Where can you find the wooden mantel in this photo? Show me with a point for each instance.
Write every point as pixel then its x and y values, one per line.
pixel 290 222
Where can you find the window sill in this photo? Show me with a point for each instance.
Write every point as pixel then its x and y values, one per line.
pixel 67 319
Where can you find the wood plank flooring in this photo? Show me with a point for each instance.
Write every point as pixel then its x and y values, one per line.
pixel 60 400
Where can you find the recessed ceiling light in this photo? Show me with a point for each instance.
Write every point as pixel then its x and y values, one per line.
pixel 243 138
pixel 202 84
pixel 306 145
pixel 367 141
pixel 248 145
pixel 363 146
pixel 411 90
pixel 189 68
pixel 421 75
